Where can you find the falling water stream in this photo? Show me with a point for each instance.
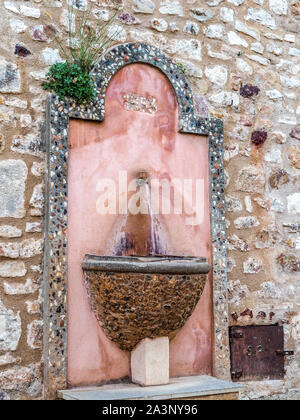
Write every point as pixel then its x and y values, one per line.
pixel 139 234
pixel 156 242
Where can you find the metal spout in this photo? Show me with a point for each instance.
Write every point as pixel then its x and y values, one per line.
pixel 142 178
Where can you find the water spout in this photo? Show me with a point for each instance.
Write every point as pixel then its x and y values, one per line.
pixel 142 178
pixel 139 233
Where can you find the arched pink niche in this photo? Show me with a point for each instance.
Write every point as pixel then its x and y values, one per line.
pixel 139 134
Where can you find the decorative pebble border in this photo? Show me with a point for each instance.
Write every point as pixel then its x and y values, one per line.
pixel 58 114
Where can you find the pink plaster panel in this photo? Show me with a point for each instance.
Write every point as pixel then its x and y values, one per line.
pixel 132 140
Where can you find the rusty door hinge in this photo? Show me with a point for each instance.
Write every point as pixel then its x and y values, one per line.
pixel 284 353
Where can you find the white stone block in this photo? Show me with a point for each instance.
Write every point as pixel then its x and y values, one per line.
pixel 10 329
pixel 217 75
pixel 261 16
pixel 150 362
pixel 294 203
pixel 13 175
pixel 30 11
pixel 227 15
pixel 280 7
pixel 10 79
pixel 143 6
pixel 169 7
pixel 234 39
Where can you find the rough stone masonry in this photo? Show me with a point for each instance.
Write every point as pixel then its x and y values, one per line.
pixel 243 59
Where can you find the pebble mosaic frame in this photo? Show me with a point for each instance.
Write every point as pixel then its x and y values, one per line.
pixel 56 247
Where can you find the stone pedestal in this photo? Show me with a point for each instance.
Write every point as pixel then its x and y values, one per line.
pixel 150 362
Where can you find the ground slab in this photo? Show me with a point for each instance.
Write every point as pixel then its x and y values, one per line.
pixel 192 387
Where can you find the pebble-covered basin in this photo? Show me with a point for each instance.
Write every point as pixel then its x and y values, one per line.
pixel 138 297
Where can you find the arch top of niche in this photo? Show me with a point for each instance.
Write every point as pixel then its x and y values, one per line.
pixel 56 139
pixel 126 54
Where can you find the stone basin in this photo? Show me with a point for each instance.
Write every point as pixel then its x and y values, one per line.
pixel 143 297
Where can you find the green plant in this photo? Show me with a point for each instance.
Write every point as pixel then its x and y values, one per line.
pixel 85 44
pixel 86 41
pixel 69 80
pixel 181 67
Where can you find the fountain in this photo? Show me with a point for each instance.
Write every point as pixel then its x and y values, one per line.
pixel 119 308
pixel 141 294
pixel 139 240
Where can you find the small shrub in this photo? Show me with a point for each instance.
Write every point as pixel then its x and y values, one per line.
pixel 85 43
pixel 70 80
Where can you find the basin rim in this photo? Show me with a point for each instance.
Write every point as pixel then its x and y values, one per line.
pixel 146 264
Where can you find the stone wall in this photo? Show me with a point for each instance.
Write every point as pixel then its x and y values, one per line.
pixel 242 58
